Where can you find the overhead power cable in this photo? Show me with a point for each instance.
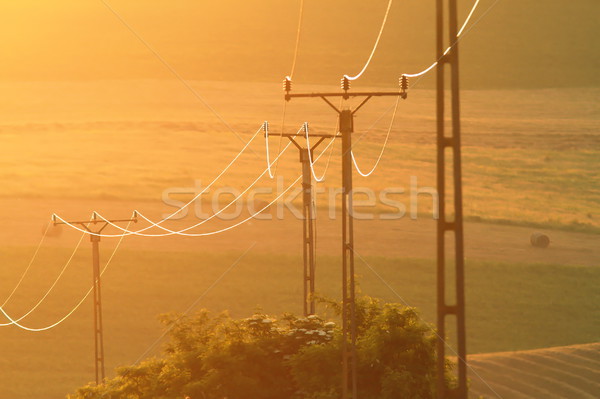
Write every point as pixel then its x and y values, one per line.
pixel 73 310
pixel 310 160
pixel 297 39
pixel 311 163
pixel 157 224
pixel 387 136
pixel 358 75
pixel 290 76
pixel 62 272
pixel 37 250
pixel 279 152
pixel 464 25
pixel 423 72
pixel 256 213
pixel 181 232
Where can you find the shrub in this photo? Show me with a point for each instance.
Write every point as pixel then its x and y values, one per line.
pixel 216 357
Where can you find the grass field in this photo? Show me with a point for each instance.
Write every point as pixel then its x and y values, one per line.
pixel 544 305
pixel 535 162
pixel 569 372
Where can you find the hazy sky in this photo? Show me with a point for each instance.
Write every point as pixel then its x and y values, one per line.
pixel 520 43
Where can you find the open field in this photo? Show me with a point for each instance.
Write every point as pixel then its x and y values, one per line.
pixel 535 162
pixel 570 372
pixel 544 304
pixel 93 121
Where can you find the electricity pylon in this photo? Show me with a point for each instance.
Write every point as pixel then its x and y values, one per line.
pixel 346 127
pixel 443 224
pixel 308 225
pixel 97 287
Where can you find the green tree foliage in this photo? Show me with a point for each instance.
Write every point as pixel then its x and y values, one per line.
pixel 217 357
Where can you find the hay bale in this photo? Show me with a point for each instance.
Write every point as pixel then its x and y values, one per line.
pixel 540 240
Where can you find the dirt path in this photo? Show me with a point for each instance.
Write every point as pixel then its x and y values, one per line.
pixel 24 219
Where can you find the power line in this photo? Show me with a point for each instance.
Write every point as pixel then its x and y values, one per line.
pixel 335 132
pixel 358 75
pixel 387 136
pixel 464 25
pixel 64 268
pixel 279 152
pixel 249 217
pixel 297 39
pixel 29 264
pixel 425 71
pixel 245 220
pixel 157 224
pixel 310 159
pixel 73 310
pixel 182 231
pixel 290 76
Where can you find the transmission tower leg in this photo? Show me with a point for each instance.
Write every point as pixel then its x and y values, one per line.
pixel 308 240
pixel 445 225
pixel 349 360
pixel 98 330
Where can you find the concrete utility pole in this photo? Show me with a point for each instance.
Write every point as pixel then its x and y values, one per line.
pixel 97 287
pixel 308 225
pixel 346 125
pixel 449 57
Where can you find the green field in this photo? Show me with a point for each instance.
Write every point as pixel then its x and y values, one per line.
pixel 510 306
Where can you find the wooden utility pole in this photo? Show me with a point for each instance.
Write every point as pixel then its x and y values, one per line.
pixel 97 286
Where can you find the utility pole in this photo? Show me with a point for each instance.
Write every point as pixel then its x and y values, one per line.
pixel 346 125
pixel 308 228
pixel 97 287
pixel 444 225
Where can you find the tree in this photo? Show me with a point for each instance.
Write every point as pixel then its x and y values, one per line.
pixel 261 357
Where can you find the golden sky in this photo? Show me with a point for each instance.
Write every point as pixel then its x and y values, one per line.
pixel 517 44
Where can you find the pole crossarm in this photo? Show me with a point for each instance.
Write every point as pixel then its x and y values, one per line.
pixel 292 135
pixel 95 220
pixel 347 95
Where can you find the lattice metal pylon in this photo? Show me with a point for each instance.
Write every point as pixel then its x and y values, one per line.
pixel 444 224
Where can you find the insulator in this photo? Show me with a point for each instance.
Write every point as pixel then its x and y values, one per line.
pixel 287 84
pixel 345 83
pixel 266 126
pixel 404 83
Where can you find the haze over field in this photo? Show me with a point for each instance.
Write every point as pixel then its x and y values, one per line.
pixel 92 120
